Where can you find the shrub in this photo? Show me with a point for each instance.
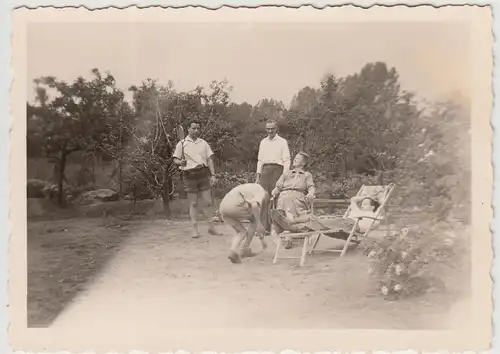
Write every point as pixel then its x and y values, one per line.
pixel 419 259
pixel 227 181
pixel 431 176
pixel 342 187
pixel 36 188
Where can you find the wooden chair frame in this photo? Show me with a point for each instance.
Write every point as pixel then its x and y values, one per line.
pixel 311 238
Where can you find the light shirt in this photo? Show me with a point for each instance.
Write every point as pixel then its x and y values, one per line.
pixel 296 179
pixel 242 196
pixel 195 152
pixel 274 151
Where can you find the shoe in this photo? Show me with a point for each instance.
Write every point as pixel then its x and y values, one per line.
pixel 234 257
pixel 263 244
pixel 247 252
pixel 287 242
pixel 213 231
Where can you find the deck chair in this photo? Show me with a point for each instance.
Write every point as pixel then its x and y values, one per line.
pixel 352 236
pixel 382 194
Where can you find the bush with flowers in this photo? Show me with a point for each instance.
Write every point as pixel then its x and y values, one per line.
pixel 421 258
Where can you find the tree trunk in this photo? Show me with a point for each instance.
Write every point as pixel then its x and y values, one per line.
pixel 120 163
pixel 167 183
pixel 181 190
pixel 120 178
pixel 118 174
pixel 343 166
pixel 380 178
pixel 93 169
pixel 167 187
pixel 60 178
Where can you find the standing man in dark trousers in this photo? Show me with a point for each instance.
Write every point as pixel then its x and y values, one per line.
pixel 273 161
pixel 195 158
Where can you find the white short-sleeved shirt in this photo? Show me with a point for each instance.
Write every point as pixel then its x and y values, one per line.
pixel 237 201
pixel 195 152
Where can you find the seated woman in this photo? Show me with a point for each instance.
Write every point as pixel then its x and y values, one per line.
pixel 295 191
pixel 363 208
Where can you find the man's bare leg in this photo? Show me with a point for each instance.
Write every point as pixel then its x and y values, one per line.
pixel 241 234
pixel 193 212
pixel 245 249
pixel 207 210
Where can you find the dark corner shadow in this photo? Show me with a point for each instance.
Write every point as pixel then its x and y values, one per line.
pixel 64 254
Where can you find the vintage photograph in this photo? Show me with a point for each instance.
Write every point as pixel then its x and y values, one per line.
pixel 254 173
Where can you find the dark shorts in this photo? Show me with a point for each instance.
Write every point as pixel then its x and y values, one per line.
pixel 197 180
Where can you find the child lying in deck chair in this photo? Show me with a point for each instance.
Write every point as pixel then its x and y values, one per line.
pixel 368 207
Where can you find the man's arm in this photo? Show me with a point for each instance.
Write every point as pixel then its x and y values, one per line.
pixel 286 157
pixel 177 154
pixel 209 154
pixel 311 189
pixel 279 186
pixel 259 166
pixel 260 156
pixel 179 161
pixel 255 207
pixel 211 165
pixel 260 162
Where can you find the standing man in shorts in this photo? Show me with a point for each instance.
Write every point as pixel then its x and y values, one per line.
pixel 250 202
pixel 195 158
pixel 273 161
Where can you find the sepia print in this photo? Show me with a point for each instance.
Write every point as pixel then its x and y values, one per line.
pixel 251 178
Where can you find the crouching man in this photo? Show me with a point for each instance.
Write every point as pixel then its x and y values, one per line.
pixel 250 202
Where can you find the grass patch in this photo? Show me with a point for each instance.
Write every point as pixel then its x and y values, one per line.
pixel 63 257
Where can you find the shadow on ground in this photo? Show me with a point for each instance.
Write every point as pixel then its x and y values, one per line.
pixel 63 257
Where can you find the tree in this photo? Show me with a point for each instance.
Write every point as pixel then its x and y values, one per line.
pixel 158 111
pixel 436 164
pixel 354 123
pixel 242 152
pixel 268 109
pixel 75 119
pixel 305 100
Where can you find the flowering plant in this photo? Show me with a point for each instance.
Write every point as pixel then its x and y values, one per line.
pixel 417 260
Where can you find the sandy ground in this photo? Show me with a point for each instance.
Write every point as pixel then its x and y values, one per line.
pixel 154 272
